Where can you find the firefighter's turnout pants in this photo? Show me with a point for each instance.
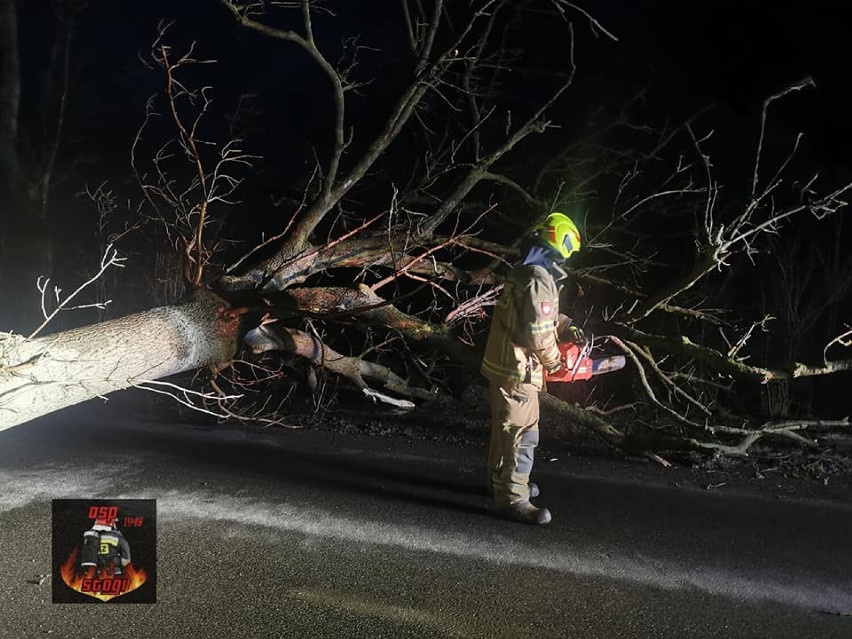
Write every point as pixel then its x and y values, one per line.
pixel 514 436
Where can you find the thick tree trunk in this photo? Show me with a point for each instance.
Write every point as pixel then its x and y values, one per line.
pixel 43 375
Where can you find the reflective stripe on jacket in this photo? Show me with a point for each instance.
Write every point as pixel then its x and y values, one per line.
pixel 523 329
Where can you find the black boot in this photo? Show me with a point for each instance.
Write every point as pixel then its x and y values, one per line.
pixel 526 513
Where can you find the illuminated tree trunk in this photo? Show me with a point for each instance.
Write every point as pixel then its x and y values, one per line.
pixel 43 375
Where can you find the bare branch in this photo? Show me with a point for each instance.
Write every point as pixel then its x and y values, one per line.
pixel 797 86
pixel 595 24
pixel 355 369
pixel 110 258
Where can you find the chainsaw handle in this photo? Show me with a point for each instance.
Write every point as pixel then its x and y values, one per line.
pixel 576 364
pixel 575 334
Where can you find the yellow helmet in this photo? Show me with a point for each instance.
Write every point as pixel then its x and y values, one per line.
pixel 560 234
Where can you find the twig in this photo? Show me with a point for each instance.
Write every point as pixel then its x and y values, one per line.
pixel 110 258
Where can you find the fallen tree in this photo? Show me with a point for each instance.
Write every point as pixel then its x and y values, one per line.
pixel 414 272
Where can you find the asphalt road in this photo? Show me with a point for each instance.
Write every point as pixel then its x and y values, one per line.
pixel 304 534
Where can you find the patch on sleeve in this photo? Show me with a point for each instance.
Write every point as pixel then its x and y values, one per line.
pixel 547 308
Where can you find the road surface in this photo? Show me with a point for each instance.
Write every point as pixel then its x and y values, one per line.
pixel 304 534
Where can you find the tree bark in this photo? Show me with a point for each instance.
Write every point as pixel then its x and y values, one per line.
pixel 39 376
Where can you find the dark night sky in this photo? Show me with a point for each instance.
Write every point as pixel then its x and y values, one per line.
pixel 731 52
pixel 689 54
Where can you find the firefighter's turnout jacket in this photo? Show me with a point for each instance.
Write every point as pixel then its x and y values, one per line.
pixel 522 341
pixel 105 549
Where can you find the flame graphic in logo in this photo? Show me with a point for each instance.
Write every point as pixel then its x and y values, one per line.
pixel 134 578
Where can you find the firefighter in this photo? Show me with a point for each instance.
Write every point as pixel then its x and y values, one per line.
pixel 522 344
pixel 105 549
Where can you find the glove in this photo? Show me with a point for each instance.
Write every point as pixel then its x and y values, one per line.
pixel 558 366
pixel 576 334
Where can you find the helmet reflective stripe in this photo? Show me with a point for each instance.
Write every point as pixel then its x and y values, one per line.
pixel 560 234
pixel 572 242
pixel 551 235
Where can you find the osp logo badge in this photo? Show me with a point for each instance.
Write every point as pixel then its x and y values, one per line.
pixel 104 551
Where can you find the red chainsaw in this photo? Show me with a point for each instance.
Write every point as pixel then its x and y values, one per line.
pixel 578 366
